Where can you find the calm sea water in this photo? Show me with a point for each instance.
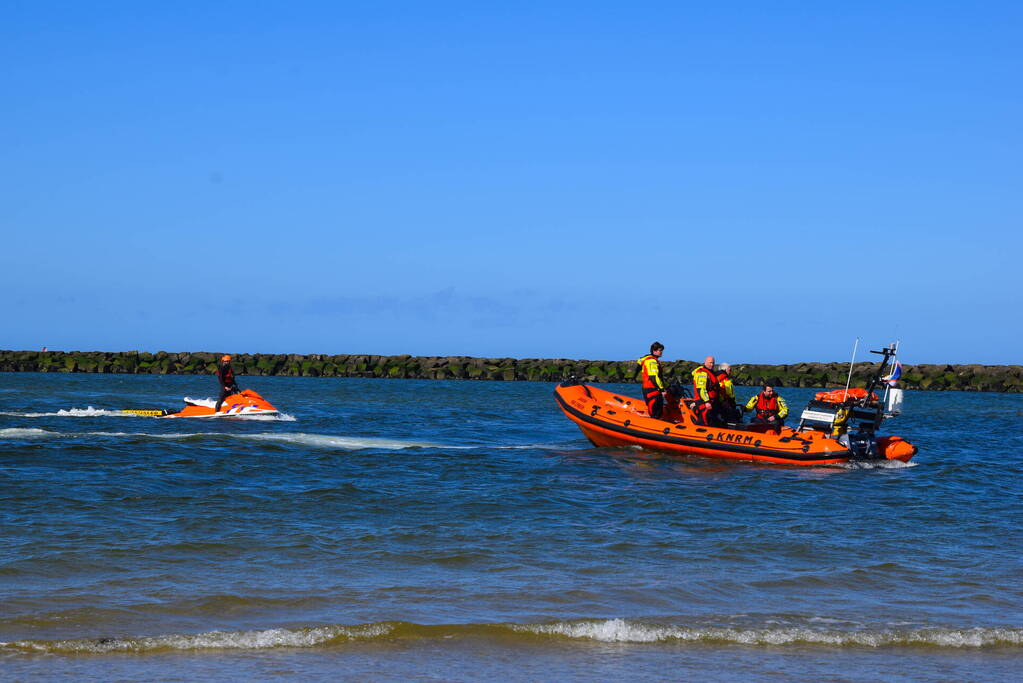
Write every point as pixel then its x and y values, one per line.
pixel 435 530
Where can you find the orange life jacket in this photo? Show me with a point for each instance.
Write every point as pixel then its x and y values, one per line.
pixel 767 406
pixel 226 376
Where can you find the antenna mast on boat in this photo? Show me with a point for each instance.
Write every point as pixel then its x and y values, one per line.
pixel 848 380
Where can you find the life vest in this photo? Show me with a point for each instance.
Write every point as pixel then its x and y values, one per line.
pixel 705 385
pixel 651 372
pixel 724 382
pixel 226 376
pixel 767 406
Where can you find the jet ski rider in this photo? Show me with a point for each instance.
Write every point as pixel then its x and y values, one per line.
pixel 653 387
pixel 228 385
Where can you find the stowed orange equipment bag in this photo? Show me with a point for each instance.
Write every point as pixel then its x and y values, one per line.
pixel 840 395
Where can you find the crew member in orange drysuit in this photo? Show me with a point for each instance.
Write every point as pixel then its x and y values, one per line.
pixel 705 391
pixel 228 385
pixel 653 387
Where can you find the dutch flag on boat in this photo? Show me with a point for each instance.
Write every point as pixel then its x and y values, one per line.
pixel 895 374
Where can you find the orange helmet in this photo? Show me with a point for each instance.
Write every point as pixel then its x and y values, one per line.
pixel 225 359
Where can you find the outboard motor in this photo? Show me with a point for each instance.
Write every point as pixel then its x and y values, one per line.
pixel 863 446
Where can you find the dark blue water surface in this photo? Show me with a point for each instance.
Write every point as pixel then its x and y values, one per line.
pixel 459 530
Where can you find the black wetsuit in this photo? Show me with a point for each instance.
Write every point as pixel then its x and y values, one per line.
pixel 228 385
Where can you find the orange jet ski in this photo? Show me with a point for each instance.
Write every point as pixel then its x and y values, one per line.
pixel 245 403
pixel 823 436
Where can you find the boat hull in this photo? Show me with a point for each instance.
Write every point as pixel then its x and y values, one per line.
pixel 608 419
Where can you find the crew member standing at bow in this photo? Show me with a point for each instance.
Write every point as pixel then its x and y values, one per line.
pixel 705 391
pixel 653 387
pixel 726 394
pixel 228 385
pixel 771 408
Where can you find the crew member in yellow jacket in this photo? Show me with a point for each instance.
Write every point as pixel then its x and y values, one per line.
pixel 726 394
pixel 653 386
pixel 705 391
pixel 771 408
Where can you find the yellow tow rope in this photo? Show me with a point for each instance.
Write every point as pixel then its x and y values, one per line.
pixel 155 413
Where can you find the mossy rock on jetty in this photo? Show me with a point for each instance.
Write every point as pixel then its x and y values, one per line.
pixel 972 377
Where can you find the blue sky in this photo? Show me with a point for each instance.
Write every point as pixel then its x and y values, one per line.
pixel 761 181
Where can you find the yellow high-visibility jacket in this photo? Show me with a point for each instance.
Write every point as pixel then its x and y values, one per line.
pixel 705 385
pixel 651 372
pixel 727 388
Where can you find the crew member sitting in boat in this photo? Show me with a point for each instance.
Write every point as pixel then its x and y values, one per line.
pixel 705 391
pixel 726 394
pixel 653 387
pixel 771 408
pixel 228 384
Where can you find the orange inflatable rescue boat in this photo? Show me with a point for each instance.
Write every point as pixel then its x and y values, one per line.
pixel 832 430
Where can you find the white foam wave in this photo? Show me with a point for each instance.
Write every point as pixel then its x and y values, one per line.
pixel 326 441
pixel 279 417
pixel 510 447
pixel 608 631
pixel 877 465
pixel 25 433
pixel 212 640
pixel 623 631
pixel 149 435
pixel 347 443
pixel 77 412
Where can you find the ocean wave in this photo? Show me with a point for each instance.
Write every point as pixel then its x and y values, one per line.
pixel 625 631
pixel 211 640
pixel 25 433
pixel 877 465
pixel 622 631
pixel 279 417
pixel 325 441
pixel 348 443
pixel 515 447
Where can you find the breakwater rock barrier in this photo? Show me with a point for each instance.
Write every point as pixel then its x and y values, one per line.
pixel 1000 378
